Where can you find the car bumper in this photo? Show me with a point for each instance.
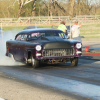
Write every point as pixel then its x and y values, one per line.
pixel 57 57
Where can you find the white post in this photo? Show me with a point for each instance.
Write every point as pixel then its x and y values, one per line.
pixel 39 20
pixel 1 31
pixel 35 25
pixel 70 30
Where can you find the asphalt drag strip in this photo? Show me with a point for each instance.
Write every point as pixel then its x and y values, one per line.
pixel 15 89
pixel 90 56
pixel 76 87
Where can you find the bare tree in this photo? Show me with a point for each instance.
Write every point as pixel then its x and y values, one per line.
pixel 55 8
pixel 60 8
pixel 71 7
pixel 21 4
pixel 34 7
pixel 17 8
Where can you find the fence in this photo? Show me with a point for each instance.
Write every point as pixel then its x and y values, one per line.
pixel 49 20
pixel 88 18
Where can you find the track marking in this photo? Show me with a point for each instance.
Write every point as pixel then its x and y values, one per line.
pixel 90 54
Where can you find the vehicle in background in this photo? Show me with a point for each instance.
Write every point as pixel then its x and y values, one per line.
pixel 69 36
pixel 31 27
pixel 43 45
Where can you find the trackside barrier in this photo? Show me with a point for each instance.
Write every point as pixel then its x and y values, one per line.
pixel 49 20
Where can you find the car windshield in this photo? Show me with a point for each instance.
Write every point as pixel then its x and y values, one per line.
pixel 39 34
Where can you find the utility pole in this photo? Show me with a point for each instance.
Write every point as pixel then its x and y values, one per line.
pixel 1 30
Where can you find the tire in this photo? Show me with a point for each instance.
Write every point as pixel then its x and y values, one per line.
pixel 74 62
pixel 35 63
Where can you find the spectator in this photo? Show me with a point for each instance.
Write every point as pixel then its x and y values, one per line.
pixel 63 27
pixel 76 31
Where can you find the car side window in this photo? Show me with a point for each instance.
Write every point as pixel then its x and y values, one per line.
pixel 25 37
pixel 22 37
pixel 18 37
pixel 34 35
pixel 29 36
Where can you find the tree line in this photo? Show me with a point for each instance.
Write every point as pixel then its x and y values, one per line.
pixel 30 8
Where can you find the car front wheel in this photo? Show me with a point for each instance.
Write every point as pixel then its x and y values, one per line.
pixel 35 63
pixel 74 61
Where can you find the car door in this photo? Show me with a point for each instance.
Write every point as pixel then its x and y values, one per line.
pixel 20 47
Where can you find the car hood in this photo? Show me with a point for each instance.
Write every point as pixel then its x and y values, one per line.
pixel 54 42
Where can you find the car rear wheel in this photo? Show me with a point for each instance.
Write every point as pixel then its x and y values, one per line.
pixel 35 63
pixel 74 61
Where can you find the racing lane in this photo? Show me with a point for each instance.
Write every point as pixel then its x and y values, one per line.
pixel 83 81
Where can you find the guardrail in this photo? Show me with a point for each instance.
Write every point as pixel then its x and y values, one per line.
pixel 49 20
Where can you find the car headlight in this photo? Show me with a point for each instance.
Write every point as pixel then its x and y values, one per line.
pixel 38 47
pixel 78 45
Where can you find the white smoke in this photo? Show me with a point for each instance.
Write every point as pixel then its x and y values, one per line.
pixel 4 60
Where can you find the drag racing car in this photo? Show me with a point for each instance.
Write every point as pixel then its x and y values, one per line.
pixel 40 45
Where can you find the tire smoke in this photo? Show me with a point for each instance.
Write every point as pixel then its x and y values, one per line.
pixel 4 60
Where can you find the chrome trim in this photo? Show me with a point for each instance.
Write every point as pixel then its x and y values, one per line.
pixel 58 52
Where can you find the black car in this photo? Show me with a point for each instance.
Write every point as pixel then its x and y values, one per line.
pixel 43 45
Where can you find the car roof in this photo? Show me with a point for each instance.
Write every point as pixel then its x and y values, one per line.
pixel 37 29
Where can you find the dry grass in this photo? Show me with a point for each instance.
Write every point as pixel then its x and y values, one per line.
pixel 88 31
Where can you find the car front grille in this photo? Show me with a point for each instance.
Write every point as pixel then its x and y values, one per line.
pixel 58 52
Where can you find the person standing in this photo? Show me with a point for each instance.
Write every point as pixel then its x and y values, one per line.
pixel 76 31
pixel 63 27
